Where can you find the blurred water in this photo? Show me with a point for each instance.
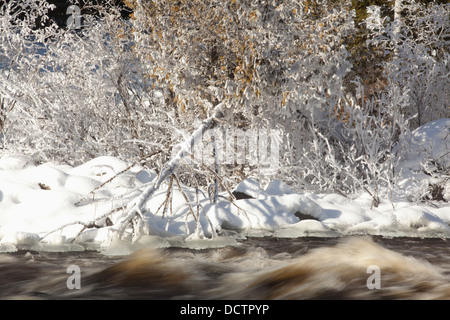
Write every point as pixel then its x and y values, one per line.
pixel 256 268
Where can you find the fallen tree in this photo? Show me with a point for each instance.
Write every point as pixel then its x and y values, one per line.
pixel 135 207
pixel 133 210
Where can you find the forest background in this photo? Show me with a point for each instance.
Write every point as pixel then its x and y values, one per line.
pixel 338 86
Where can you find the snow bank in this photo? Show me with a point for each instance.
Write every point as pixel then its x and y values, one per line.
pixel 37 199
pixel 426 160
pixel 428 145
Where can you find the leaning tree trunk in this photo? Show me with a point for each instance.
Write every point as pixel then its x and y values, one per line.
pixel 135 207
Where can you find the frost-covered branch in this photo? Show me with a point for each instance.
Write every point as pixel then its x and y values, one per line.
pixel 136 206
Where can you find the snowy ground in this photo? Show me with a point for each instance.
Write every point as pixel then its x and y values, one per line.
pixel 38 199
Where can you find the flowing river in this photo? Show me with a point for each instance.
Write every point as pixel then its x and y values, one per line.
pixel 262 268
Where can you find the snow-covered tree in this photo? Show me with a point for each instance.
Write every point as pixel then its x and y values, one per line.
pixel 72 94
pixel 417 69
pixel 277 64
pixel 21 47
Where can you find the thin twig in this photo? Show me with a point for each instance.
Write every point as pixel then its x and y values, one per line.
pixel 222 183
pixel 119 173
pixel 168 197
pixel 185 198
pixel 86 225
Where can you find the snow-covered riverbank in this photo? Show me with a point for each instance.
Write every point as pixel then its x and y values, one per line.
pixel 38 199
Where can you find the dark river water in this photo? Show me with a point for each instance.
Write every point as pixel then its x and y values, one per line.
pixel 256 268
